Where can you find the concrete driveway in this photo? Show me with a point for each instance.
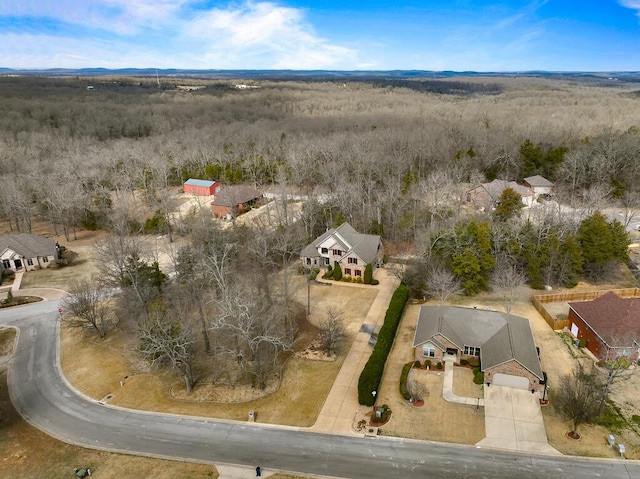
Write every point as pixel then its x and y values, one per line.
pixel 513 421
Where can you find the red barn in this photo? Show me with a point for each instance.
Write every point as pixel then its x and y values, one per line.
pixel 201 187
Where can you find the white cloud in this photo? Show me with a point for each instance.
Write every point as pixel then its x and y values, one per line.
pixel 632 4
pixel 168 33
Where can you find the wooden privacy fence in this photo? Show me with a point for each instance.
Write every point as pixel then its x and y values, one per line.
pixel 540 299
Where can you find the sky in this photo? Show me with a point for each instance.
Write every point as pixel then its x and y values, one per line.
pixel 459 35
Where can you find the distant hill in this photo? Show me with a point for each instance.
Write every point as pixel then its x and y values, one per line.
pixel 324 74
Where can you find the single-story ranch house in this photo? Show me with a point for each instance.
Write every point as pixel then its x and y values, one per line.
pixel 610 325
pixel 235 200
pixel 487 195
pixel 25 252
pixel 503 343
pixel 344 246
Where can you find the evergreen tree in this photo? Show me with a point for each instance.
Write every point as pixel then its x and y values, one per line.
pixel 337 272
pixel 368 274
pixel 602 244
pixel 509 205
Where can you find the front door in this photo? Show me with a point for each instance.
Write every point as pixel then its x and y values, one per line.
pixel 18 263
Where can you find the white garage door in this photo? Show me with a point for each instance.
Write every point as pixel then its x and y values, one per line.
pixel 508 380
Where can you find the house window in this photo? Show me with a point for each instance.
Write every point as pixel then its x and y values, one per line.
pixel 45 259
pixel 428 350
pixel 353 260
pixel 308 260
pixel 358 272
pixel 347 271
pixel 325 250
pixel 471 351
pixel 6 263
pixel 30 262
pixel 337 252
pixel 326 261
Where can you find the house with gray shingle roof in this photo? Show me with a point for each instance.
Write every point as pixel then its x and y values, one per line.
pixel 539 185
pixel 487 195
pixel 502 342
pixel 25 252
pixel 344 246
pixel 235 200
pixel 610 326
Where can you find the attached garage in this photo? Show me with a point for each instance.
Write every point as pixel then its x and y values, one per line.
pixel 519 382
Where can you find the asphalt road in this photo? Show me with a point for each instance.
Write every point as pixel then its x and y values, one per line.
pixel 46 400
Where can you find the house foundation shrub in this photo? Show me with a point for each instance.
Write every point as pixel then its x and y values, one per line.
pixel 427 363
pixel 371 374
pixel 478 376
pixel 439 365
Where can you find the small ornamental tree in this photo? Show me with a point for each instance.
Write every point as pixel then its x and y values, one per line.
pixel 337 272
pixel 368 273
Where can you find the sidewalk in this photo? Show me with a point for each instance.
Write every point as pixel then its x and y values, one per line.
pixel 338 411
pixel 447 388
pixel 17 280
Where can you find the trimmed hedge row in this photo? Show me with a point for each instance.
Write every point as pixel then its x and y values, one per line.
pixel 371 374
pixel 404 392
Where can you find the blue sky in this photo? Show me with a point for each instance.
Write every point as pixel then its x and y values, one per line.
pixel 566 35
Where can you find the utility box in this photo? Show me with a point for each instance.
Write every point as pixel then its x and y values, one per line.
pixel 252 416
pixel 621 449
pixel 612 440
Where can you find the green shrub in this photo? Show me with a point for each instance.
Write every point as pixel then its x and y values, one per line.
pixel 359 280
pixel 478 376
pixel 337 272
pixel 416 364
pixel 439 365
pixel 368 274
pixel 371 374
pixel 427 363
pixel 635 418
pixel 314 274
pixel 582 343
pixel 404 392
pixel 374 282
pixel 329 268
pixel 464 362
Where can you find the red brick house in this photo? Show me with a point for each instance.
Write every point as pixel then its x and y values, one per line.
pixel 610 325
pixel 201 187
pixel 231 201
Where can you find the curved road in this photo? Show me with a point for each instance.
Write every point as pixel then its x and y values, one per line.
pixel 46 400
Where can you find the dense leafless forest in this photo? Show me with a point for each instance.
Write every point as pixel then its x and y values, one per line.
pixel 391 157
pixel 374 145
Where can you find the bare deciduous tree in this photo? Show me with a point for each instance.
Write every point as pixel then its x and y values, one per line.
pixel 443 283
pixel 331 331
pixel 165 341
pixel 506 278
pixel 416 389
pixel 88 304
pixel 578 397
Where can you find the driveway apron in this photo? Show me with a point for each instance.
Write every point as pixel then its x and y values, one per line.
pixel 513 421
